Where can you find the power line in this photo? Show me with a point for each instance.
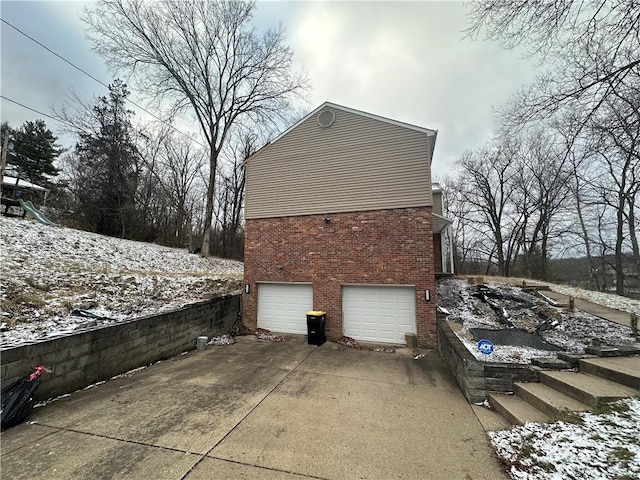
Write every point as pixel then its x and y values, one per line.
pixel 95 79
pixel 37 111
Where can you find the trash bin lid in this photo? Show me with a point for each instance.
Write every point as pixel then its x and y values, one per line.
pixel 316 313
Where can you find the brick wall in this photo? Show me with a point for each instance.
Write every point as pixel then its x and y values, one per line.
pixel 100 353
pixel 376 247
pixel 437 252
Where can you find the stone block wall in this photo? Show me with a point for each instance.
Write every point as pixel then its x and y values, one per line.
pixel 380 247
pixel 97 354
pixel 474 377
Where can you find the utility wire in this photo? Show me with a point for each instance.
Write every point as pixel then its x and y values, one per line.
pixel 37 111
pixel 93 78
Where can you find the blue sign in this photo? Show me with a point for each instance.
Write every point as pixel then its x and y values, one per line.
pixel 485 347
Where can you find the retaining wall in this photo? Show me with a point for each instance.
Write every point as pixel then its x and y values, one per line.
pixel 474 377
pixel 97 354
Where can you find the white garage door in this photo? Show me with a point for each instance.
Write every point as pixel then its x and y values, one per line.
pixel 283 307
pixel 378 313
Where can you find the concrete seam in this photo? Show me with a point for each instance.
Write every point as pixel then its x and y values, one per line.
pixel 266 468
pixel 245 416
pixel 108 437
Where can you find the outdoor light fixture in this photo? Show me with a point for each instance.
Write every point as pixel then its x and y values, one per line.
pixel 427 295
pixel 247 288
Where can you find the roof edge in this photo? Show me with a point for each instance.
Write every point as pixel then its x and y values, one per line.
pixel 429 132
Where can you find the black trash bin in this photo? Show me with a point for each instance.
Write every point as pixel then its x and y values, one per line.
pixel 315 327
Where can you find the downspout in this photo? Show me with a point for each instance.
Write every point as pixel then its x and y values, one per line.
pixel 443 254
pixel 450 249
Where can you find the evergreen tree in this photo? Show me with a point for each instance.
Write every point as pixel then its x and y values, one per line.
pixel 33 151
pixel 108 167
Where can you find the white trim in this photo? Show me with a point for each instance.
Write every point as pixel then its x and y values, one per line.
pixel 440 217
pixel 285 283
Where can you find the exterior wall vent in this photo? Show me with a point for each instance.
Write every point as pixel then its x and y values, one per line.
pixel 326 118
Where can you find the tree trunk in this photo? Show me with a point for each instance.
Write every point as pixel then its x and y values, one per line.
pixel 205 250
pixel 618 254
pixel 632 233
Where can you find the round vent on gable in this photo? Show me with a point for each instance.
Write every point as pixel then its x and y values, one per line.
pixel 326 118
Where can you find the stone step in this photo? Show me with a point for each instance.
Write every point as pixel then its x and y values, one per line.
pixel 549 401
pixel 588 389
pixel 550 363
pixel 573 359
pixel 515 410
pixel 624 370
pixel 619 351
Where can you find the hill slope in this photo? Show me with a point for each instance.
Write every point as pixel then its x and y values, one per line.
pixel 46 272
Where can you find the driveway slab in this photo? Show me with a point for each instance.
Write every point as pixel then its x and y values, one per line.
pixel 259 409
pixel 188 404
pixel 211 469
pixel 401 368
pixel 68 455
pixel 342 427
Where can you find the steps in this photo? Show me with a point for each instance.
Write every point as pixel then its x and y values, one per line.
pixel 515 410
pixel 600 380
pixel 623 370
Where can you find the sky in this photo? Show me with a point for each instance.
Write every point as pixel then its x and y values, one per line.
pixel 408 61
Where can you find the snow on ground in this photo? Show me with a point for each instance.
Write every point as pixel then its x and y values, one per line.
pixel 592 447
pixel 610 300
pixel 586 446
pixel 573 331
pixel 606 299
pixel 47 272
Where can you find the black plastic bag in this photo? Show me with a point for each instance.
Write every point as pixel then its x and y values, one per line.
pixel 18 398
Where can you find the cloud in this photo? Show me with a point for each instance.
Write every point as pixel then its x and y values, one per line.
pixel 407 61
pixel 403 60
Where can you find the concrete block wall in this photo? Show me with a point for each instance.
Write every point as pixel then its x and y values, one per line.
pixel 97 354
pixel 381 247
pixel 477 378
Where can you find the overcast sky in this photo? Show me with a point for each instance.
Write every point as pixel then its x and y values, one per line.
pixel 404 60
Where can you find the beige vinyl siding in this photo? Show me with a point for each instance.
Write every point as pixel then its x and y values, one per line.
pixel 356 164
pixel 437 203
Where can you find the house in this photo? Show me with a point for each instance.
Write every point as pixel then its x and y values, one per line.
pixel 15 189
pixel 340 217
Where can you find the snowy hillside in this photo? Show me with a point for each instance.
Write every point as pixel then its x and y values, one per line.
pixel 47 272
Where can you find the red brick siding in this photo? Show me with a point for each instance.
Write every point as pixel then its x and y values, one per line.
pixel 437 252
pixel 374 247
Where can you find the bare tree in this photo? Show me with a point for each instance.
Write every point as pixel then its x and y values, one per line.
pixel 173 165
pixel 618 129
pixel 472 250
pixel 204 55
pixel 541 193
pixel 590 46
pixel 487 179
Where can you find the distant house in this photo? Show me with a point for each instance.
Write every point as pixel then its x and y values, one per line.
pixel 14 189
pixel 341 217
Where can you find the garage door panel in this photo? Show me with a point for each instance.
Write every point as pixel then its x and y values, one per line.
pixel 282 307
pixel 378 313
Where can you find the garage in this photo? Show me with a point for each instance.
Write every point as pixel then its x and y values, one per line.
pixel 282 307
pixel 378 313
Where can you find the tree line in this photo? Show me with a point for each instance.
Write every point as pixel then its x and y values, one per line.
pixel 199 61
pixel 561 176
pixel 137 182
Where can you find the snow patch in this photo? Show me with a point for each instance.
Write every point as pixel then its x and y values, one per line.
pixel 48 272
pixel 595 447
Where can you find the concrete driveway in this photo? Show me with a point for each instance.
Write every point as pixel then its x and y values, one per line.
pixel 259 409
